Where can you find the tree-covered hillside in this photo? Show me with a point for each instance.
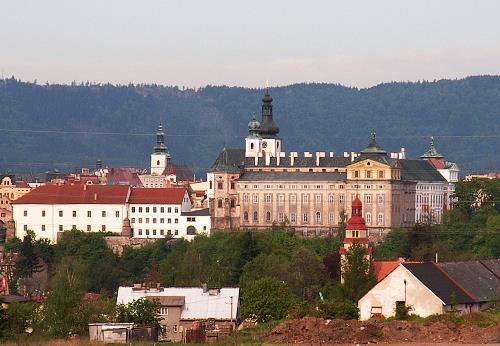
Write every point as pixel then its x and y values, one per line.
pixel 68 126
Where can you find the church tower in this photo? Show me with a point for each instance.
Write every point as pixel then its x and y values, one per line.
pixel 356 232
pixel 271 143
pixel 160 158
pixel 254 140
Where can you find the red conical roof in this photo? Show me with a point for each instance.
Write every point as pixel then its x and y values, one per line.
pixel 356 221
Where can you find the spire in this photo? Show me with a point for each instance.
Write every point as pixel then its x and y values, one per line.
pixel 268 128
pixel 160 146
pixel 373 147
pixel 431 152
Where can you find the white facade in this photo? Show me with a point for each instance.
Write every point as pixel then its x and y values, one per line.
pixel 152 181
pixel 46 220
pixel 432 199
pixel 399 286
pixel 158 163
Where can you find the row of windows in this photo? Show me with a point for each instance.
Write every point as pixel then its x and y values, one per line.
pixel 154 209
pixel 153 220
pixel 318 199
pixel 368 174
pixel 293 186
pixel 154 232
pixel 61 228
pixel 305 217
pixel 74 213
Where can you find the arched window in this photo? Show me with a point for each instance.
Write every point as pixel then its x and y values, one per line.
pixel 245 216
pixel 158 162
pixel 251 145
pixel 369 218
pixel 255 216
pixel 268 216
pixel 191 230
pixel 318 217
pixel 233 203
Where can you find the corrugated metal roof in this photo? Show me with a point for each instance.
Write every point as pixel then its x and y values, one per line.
pixel 474 277
pixel 197 304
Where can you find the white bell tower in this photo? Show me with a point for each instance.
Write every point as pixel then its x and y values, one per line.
pixel 253 141
pixel 160 158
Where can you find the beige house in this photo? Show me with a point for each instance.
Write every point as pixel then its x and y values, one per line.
pixel 262 185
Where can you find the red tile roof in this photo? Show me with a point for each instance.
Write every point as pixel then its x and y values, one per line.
pixel 384 268
pixel 157 195
pixel 75 194
pixel 437 163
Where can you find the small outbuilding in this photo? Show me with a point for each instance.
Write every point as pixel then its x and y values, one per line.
pixel 110 332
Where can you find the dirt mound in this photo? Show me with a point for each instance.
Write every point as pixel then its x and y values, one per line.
pixel 312 330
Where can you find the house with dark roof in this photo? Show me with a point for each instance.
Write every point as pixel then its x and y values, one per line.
pixel 429 288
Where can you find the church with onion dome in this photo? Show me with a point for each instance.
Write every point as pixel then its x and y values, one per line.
pixel 261 185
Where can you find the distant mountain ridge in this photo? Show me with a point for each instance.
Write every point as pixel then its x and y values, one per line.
pixel 68 126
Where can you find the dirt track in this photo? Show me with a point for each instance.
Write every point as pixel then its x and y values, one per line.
pixel 315 331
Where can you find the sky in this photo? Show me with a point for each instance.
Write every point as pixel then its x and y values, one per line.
pixel 244 43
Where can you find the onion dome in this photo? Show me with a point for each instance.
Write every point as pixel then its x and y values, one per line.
pixel 356 221
pixel 432 153
pixel 373 147
pixel 253 128
pixel 268 128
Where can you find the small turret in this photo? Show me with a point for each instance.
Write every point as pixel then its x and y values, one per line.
pixel 431 153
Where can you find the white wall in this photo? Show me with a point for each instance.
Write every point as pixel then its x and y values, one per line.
pixel 147 224
pixel 34 219
pixel 392 289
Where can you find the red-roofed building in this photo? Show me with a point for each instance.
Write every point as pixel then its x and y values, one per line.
pixel 160 212
pixel 384 268
pixel 51 209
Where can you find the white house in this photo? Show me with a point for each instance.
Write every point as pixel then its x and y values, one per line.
pixel 51 209
pixel 157 212
pixel 433 288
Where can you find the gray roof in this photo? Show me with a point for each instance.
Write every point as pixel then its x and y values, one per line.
pixel 419 170
pixel 493 266
pixel 229 160
pixel 197 212
pixel 292 176
pixel 475 278
pixel 438 282
pixel 336 161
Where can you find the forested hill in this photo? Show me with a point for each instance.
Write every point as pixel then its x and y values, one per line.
pixel 67 126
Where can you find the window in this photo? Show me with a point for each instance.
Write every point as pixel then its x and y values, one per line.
pixel 133 209
pixel 305 218
pixel 147 209
pixel 318 217
pixel 281 217
pixel 176 329
pixel 331 198
pixel 162 232
pixel 147 232
pixel 293 199
pixel 293 217
pixel 381 174
pixel 176 232
pixel 176 209
pixel 133 220
pixel 25 213
pixel 233 203
pixel 380 198
pixel 267 198
pixel 154 209
pixel 232 185
pixel 60 213
pixel 25 228
pixel 140 209
pixel 368 199
pixel 176 220
pixel 220 185
pixel 103 228
pixel 255 198
pixel 255 216
pixel 356 174
pixel 117 213
pixel 245 216
pixel 43 228
pixel 331 218
pixel 74 213
pixel 162 220
pixel 89 228
pixel 154 220
pixel 219 203
pixel 268 216
pixel 380 219
pixel 305 199
pixel 154 232
pixel 368 218
pixel 281 199
pixel 103 213
pixel 245 198
pixel 164 311
pixel 169 220
pixel 317 199
pixel 169 210
pixel 147 220
pixel 368 174
pixel 162 209
pixel 89 213
pixel 140 220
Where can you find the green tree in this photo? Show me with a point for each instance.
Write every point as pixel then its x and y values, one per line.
pixel 338 309
pixel 266 299
pixel 357 273
pixel 396 244
pixel 67 291
pixel 16 318
pixel 144 312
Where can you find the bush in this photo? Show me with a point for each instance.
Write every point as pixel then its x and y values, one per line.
pixel 338 309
